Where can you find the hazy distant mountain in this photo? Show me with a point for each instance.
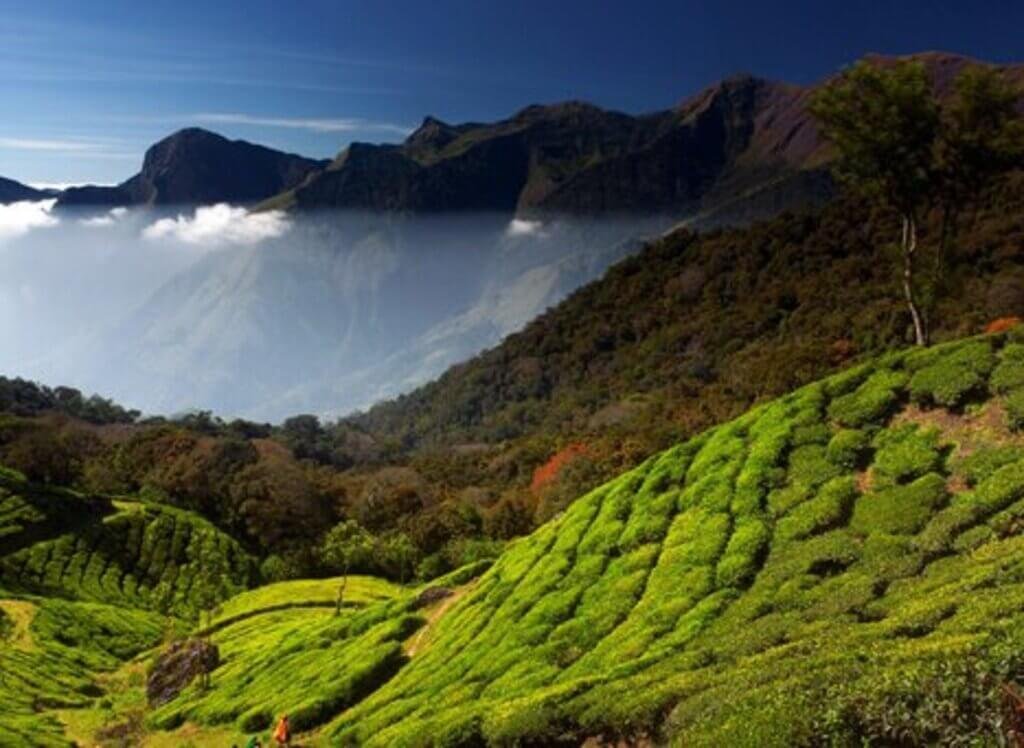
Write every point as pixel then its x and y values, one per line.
pixel 340 312
pixel 198 167
pixel 13 192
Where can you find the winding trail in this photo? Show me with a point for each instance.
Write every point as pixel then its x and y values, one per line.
pixel 418 641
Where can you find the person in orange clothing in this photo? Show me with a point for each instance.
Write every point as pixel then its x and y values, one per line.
pixel 282 733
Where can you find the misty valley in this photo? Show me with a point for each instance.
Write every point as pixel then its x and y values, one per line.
pixel 263 315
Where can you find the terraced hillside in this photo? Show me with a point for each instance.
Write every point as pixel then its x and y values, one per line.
pixel 846 562
pixel 133 554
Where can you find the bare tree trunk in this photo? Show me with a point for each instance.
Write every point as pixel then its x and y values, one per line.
pixel 909 246
pixel 341 592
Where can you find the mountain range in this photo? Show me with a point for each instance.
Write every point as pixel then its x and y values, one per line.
pixel 742 136
pixel 741 149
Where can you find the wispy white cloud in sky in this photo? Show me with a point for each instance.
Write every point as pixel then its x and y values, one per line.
pixel 68 146
pixel 36 144
pixel 65 185
pixel 522 227
pixel 109 218
pixel 314 124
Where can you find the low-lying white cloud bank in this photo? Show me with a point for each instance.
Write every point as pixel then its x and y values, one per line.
pixel 219 225
pixel 109 218
pixel 522 227
pixel 17 219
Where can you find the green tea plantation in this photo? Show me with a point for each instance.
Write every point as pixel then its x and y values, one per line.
pixel 841 566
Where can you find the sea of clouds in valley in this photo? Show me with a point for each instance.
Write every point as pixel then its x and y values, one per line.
pixel 264 315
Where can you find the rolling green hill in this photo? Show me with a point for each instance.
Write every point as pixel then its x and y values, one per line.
pixel 60 543
pixel 840 565
pixel 845 562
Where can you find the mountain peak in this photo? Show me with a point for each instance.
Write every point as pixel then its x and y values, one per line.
pixel 431 134
pixel 197 166
pixel 558 110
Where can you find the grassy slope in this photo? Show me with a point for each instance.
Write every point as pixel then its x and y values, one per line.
pixel 304 593
pixel 306 662
pixel 812 568
pixel 70 670
pixel 80 579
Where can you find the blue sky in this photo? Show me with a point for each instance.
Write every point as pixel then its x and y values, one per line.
pixel 87 86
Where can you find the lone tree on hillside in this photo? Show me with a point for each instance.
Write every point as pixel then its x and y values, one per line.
pixel 346 546
pixel 899 146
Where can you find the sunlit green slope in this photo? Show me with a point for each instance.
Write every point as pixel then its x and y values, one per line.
pixel 285 649
pixel 844 562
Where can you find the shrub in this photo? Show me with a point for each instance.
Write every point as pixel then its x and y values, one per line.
pixel 870 403
pixel 828 509
pixel 1009 374
pixel 848 448
pixel 742 555
pixel 979 465
pixel 255 720
pixel 954 699
pixel 905 453
pixel 954 376
pixel 1002 488
pixel 938 535
pixel 810 466
pixel 1015 410
pixel 902 510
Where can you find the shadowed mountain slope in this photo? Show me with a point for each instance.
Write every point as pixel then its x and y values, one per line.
pixel 13 192
pixel 195 166
pixel 741 136
pixel 743 148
